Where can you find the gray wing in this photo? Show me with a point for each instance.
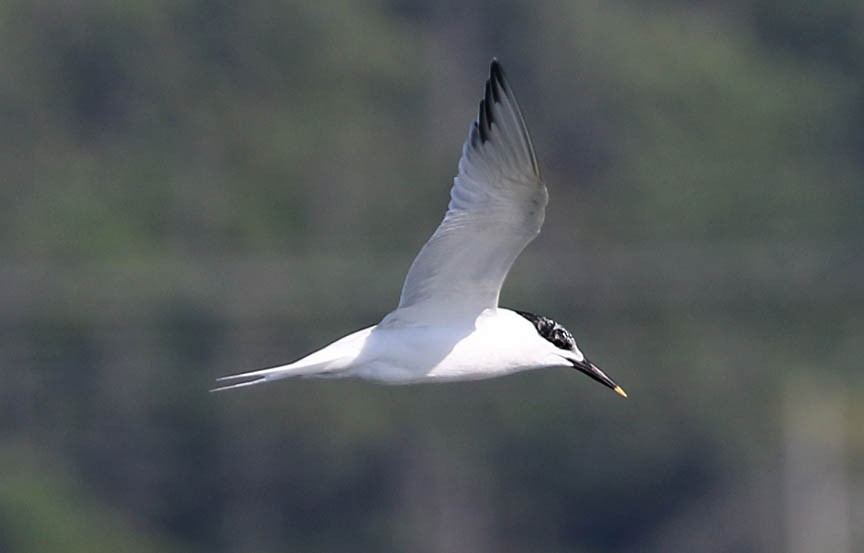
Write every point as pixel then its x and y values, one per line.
pixel 497 206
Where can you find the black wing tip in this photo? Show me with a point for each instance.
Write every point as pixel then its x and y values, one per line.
pixel 482 123
pixel 474 135
pixel 492 95
pixel 487 115
pixel 496 75
pixel 496 88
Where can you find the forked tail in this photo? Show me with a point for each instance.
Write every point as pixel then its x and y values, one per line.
pixel 332 360
pixel 267 375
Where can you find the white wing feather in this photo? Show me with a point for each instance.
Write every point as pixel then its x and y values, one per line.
pixel 497 206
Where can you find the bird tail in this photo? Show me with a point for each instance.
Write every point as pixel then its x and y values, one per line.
pixel 268 375
pixel 330 361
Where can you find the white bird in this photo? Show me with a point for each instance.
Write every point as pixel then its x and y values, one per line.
pixel 448 325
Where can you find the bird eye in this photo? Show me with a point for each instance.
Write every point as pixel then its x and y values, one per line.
pixel 560 338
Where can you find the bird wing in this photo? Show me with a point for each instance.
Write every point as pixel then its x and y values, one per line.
pixel 497 206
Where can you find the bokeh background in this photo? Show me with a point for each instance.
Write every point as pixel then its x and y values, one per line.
pixel 194 188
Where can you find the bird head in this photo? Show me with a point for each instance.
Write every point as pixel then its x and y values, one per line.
pixel 565 347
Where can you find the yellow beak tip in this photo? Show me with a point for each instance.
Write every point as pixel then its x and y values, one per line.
pixel 620 391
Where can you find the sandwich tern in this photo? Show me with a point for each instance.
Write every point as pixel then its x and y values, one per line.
pixel 448 325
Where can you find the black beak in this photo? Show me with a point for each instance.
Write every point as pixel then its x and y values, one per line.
pixel 591 370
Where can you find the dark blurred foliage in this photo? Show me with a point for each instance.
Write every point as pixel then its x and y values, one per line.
pixel 192 189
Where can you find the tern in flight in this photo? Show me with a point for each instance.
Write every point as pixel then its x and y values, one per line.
pixel 448 325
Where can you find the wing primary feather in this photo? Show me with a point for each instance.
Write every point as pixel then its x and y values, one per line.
pixel 482 124
pixel 489 104
pixel 499 83
pixel 496 88
pixel 474 135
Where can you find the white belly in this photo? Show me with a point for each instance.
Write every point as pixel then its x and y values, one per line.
pixel 494 346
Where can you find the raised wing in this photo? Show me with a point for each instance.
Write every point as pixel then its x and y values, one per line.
pixel 497 205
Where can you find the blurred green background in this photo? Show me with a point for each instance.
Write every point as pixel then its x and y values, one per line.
pixel 195 188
